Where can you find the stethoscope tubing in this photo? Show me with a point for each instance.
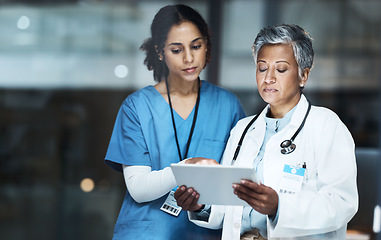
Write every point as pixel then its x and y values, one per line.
pixel 287 146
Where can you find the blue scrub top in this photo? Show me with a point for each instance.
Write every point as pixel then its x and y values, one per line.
pixel 143 135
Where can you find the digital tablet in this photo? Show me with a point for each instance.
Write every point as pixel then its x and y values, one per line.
pixel 213 182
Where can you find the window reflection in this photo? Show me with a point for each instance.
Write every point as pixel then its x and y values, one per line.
pixel 66 68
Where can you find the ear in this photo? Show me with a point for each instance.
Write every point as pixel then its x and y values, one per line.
pixel 159 55
pixel 305 75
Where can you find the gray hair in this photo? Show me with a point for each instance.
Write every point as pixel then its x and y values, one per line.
pixel 294 35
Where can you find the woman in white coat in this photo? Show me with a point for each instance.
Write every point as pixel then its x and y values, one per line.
pixel 307 187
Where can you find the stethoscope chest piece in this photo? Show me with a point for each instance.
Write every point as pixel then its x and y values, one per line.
pixel 287 147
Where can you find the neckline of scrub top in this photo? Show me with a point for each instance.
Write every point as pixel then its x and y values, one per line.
pixel 190 116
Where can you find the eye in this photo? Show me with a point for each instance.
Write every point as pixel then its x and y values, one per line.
pixel 281 70
pixel 262 67
pixel 196 46
pixel 176 51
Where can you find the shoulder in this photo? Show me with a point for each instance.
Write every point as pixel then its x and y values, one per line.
pixel 222 100
pixel 323 114
pixel 138 101
pixel 141 95
pixel 210 88
pixel 328 130
pixel 242 123
pixel 325 121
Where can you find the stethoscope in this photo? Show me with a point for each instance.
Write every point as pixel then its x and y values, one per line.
pixel 287 146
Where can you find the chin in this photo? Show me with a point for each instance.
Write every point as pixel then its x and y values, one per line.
pixel 191 78
pixel 268 98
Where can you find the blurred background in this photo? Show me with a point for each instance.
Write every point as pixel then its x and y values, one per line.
pixel 67 65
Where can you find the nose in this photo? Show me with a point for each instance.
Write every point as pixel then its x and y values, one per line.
pixel 270 76
pixel 188 56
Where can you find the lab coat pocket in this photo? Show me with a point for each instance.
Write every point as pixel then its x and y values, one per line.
pixel 309 182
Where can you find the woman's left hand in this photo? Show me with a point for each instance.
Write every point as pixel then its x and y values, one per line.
pixel 261 198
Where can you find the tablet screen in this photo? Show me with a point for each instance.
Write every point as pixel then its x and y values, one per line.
pixel 213 182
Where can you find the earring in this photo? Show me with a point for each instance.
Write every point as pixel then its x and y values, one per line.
pixel 160 58
pixel 301 85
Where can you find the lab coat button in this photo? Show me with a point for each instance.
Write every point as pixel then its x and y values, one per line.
pixel 236 225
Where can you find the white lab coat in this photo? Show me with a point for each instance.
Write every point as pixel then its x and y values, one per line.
pixel 328 198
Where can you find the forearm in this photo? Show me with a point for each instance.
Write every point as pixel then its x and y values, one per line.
pixel 145 185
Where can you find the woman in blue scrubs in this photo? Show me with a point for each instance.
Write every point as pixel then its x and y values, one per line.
pixel 179 119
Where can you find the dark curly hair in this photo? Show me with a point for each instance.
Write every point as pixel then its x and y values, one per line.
pixel 163 21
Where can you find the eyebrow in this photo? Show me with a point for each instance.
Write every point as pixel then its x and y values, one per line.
pixel 179 44
pixel 280 61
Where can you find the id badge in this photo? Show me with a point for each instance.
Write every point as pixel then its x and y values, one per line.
pixel 292 179
pixel 170 205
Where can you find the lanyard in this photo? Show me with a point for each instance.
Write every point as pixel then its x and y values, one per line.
pixel 193 123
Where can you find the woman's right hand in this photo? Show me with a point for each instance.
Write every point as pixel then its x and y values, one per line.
pixel 187 198
pixel 201 161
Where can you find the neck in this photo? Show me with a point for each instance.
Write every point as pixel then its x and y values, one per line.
pixel 183 87
pixel 277 113
pixel 280 111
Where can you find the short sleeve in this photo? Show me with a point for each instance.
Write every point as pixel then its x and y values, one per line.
pixel 127 145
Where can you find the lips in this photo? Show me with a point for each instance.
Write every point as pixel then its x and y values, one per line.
pixel 190 70
pixel 270 90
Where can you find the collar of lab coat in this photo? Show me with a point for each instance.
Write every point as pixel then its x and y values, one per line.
pixel 296 118
pixel 255 138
